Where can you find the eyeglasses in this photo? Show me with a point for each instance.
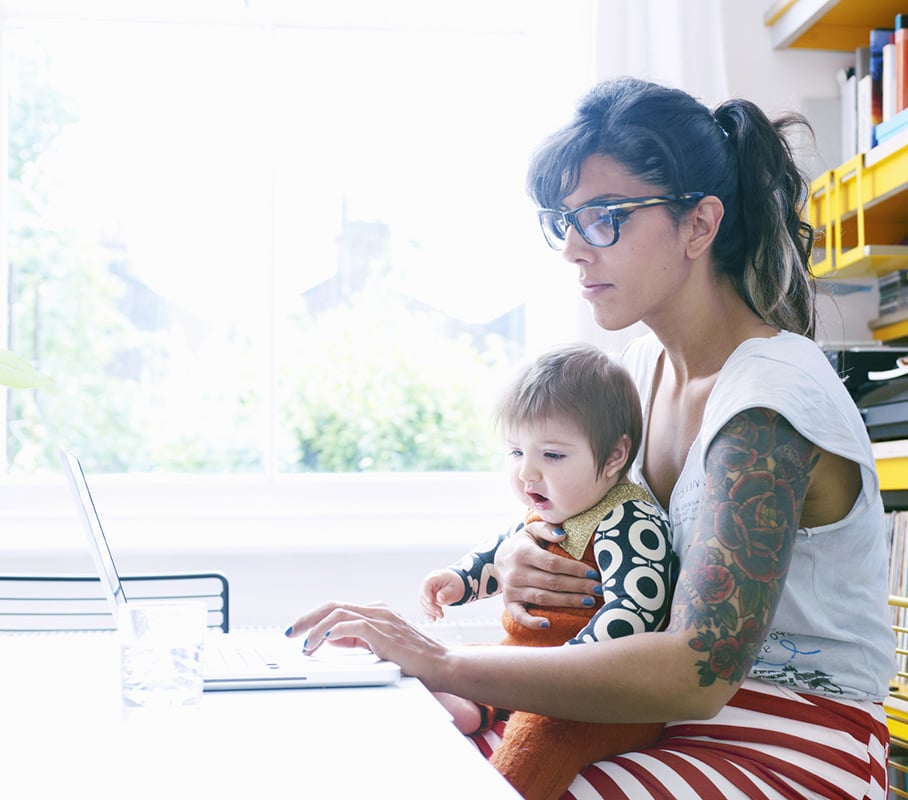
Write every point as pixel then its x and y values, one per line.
pixel 600 223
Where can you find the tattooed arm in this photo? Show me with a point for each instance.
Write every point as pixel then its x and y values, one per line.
pixel 758 469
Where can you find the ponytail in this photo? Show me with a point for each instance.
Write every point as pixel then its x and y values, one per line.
pixel 766 244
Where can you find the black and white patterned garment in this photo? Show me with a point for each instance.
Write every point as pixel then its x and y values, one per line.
pixel 633 556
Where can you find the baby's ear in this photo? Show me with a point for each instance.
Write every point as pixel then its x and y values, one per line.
pixel 616 462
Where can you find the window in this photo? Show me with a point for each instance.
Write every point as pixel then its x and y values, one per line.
pixel 250 240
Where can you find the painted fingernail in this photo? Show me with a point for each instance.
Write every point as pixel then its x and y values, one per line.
pixel 591 573
pixel 588 601
pixel 306 645
pixel 597 589
pixel 288 631
pixel 544 624
pixel 559 532
pixel 327 634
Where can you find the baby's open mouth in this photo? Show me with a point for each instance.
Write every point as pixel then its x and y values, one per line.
pixel 536 497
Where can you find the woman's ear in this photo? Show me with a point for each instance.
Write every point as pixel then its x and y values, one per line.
pixel 617 459
pixel 703 222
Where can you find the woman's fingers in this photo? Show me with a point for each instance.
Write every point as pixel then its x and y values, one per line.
pixel 375 627
pixel 319 623
pixel 532 575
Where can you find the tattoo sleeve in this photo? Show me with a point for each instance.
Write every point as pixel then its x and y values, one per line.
pixel 757 471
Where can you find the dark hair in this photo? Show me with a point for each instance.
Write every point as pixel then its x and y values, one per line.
pixel 582 384
pixel 666 137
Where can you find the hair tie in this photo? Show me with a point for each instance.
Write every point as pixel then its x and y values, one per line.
pixel 724 132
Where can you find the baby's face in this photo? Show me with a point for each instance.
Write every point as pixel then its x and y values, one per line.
pixel 552 469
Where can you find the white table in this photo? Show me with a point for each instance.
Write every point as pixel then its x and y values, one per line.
pixel 64 733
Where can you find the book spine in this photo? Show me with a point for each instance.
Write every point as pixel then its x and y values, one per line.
pixel 889 97
pixel 848 90
pixel 864 99
pixel 879 38
pixel 901 62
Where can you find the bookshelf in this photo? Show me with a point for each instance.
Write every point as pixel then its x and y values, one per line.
pixel 859 209
pixel 860 212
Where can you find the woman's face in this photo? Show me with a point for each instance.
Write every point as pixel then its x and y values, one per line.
pixel 639 276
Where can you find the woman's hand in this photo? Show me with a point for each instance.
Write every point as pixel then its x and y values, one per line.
pixel 531 575
pixel 375 627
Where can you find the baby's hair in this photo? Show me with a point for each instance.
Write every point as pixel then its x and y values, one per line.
pixel 581 384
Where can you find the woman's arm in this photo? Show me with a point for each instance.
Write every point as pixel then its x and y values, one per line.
pixel 758 469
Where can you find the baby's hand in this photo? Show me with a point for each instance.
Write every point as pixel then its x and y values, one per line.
pixel 441 587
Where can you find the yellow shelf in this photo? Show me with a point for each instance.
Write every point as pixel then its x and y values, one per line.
pixel 893 474
pixel 856 205
pixel 896 707
pixel 889 333
pixel 828 24
pixel 892 467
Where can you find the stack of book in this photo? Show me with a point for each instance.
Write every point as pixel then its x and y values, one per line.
pixel 875 91
pixel 893 297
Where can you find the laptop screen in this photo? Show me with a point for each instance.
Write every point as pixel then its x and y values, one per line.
pixel 100 551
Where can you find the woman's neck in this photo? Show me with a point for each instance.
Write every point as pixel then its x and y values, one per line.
pixel 699 339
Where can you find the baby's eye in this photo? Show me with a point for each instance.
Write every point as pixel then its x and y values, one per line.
pixel 553 456
pixel 515 452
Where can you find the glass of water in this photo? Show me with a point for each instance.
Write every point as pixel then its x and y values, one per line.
pixel 161 650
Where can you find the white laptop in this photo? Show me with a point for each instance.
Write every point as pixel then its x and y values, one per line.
pixel 238 660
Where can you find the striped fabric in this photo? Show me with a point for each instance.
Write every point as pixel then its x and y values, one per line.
pixel 768 743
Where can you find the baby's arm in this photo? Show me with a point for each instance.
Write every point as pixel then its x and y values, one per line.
pixel 633 549
pixel 441 587
pixel 474 577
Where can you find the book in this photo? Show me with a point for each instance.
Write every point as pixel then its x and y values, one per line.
pixel 901 62
pixel 889 90
pixel 892 126
pixel 864 104
pixel 879 38
pixel 848 99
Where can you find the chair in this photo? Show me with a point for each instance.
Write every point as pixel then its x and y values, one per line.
pixel 44 603
pixel 896 704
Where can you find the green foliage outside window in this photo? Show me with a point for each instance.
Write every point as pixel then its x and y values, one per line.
pixel 380 389
pixel 368 385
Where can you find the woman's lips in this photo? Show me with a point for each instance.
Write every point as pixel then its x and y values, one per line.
pixel 590 290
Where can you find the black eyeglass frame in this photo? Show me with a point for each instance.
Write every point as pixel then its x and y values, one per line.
pixel 619 212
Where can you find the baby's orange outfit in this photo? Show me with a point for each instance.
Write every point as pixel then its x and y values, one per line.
pixel 539 755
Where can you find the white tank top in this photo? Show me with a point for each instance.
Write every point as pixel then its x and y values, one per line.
pixel 831 633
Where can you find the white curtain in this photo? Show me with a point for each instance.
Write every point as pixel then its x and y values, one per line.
pixel 674 42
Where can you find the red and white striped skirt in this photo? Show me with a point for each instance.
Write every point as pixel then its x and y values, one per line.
pixel 768 743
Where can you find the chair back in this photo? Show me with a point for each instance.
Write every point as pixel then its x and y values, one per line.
pixel 44 603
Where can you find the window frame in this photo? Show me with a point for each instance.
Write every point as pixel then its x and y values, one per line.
pixel 188 511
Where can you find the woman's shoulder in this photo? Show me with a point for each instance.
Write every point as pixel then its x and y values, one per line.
pixel 789 374
pixel 783 358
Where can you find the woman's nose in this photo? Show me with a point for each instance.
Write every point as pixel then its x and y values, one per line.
pixel 575 247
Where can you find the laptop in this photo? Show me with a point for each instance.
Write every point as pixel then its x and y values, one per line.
pixel 253 660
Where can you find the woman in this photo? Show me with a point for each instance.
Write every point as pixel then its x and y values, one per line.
pixel 778 651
